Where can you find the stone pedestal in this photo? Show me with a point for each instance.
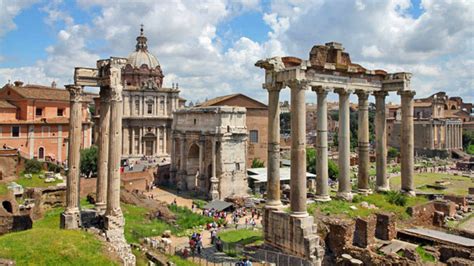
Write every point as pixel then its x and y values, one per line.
pixel 70 220
pixel 345 190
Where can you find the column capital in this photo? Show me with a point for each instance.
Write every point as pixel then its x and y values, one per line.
pixel 76 92
pixel 115 94
pixel 275 86
pixel 343 91
pixel 380 94
pixel 298 84
pixel 362 94
pixel 320 89
pixel 407 93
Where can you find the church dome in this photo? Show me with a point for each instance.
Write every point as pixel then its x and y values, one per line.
pixel 141 56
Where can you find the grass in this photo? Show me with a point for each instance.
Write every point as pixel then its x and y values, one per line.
pixel 242 237
pixel 3 189
pixel 458 186
pixel 34 181
pixel 46 244
pixel 381 201
pixel 425 256
pixel 178 261
pixel 186 219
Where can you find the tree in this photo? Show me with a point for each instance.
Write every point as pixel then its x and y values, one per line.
pixel 392 152
pixel 89 158
pixel 333 169
pixel 468 142
pixel 256 163
pixel 33 166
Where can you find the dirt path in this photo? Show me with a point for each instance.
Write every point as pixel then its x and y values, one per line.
pixel 468 225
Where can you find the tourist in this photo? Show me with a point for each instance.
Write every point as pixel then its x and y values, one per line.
pixel 219 245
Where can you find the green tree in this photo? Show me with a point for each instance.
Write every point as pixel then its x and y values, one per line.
pixel 33 166
pixel 256 163
pixel 468 142
pixel 392 152
pixel 89 158
pixel 333 169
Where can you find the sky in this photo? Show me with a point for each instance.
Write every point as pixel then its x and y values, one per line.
pixel 210 47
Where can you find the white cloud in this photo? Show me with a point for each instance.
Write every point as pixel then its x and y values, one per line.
pixel 8 11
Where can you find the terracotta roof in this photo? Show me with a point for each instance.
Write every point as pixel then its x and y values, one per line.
pixel 218 100
pixel 41 92
pixel 5 104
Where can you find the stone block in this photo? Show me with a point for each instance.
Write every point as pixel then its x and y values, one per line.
pixel 471 191
pixel 446 207
pixel 459 262
pixel 459 200
pixel 447 252
pixel 438 218
pixel 70 220
pixel 385 227
pixel 364 234
pixel 340 235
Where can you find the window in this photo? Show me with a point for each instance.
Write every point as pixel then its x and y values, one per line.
pixel 39 111
pixel 60 112
pixel 137 107
pixel 253 136
pixel 237 166
pixel 15 131
pixel 149 108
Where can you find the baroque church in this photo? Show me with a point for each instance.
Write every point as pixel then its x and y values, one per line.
pixel 147 106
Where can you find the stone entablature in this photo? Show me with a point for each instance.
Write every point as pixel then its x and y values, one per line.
pixel 208 151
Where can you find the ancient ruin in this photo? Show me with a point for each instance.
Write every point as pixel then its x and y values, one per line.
pixel 208 151
pixel 328 69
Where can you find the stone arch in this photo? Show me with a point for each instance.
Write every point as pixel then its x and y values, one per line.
pixel 192 163
pixel 446 107
pixel 7 205
pixel 453 107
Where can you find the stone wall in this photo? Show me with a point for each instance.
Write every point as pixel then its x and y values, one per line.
pixel 385 228
pixel 45 199
pixel 340 235
pixel 8 165
pixel 364 234
pixel 11 219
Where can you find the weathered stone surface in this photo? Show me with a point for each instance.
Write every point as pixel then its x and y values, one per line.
pixel 459 200
pixel 471 191
pixel 446 207
pixel 385 226
pixel 459 262
pixel 340 235
pixel 6 262
pixel 364 234
pixel 11 219
pixel 438 218
pixel 447 252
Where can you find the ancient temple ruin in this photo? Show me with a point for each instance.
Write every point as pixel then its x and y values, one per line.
pixel 107 76
pixel 328 69
pixel 208 151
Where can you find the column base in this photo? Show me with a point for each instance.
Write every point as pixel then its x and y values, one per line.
pixel 299 214
pixel 274 205
pixel 100 208
pixel 322 198
pixel 347 196
pixel 382 189
pixel 409 193
pixel 114 222
pixel 70 219
pixel 364 191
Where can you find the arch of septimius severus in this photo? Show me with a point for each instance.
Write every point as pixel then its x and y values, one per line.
pixel 328 69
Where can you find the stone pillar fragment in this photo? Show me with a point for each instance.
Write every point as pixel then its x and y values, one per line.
pixel 407 142
pixel 298 151
pixel 71 217
pixel 344 146
pixel 273 184
pixel 322 176
pixel 363 142
pixel 104 123
pixel 381 142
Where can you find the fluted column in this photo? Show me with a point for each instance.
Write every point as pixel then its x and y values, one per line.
pixel 407 142
pixel 322 175
pixel 344 145
pixel 298 151
pixel 104 123
pixel 381 142
pixel 114 216
pixel 273 183
pixel 363 142
pixel 70 218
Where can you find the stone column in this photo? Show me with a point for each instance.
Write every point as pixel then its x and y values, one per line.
pixel 126 141
pixel 102 166
pixel 344 146
pixel 215 195
pixel 460 135
pixel 407 142
pixel 363 143
pixel 114 216
pixel 132 141
pixel 164 140
pixel 158 150
pixel 140 146
pixel 71 217
pixel 322 176
pixel 273 182
pixel 381 142
pixel 298 151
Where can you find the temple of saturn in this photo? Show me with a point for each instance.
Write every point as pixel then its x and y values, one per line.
pixel 328 69
pixel 107 76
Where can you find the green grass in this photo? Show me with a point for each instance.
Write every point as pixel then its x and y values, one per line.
pixel 180 261
pixel 381 201
pixel 242 236
pixel 425 256
pixel 199 203
pixel 186 219
pixel 3 189
pixel 34 181
pixel 458 186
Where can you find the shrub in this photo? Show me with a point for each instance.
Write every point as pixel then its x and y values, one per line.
pixel 256 163
pixel 89 159
pixel 333 169
pixel 54 168
pixel 396 198
pixel 392 152
pixel 199 203
pixel 33 166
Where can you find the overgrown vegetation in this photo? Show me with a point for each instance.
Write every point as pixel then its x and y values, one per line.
pixel 425 256
pixel 199 203
pixel 242 236
pixel 89 159
pixel 34 181
pixel 396 197
pixel 468 142
pixel 257 163
pixel 392 152
pixel 186 219
pixel 33 166
pixel 333 169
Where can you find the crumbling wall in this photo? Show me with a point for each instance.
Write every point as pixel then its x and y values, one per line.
pixel 364 234
pixel 11 219
pixel 447 252
pixel 45 199
pixel 386 227
pixel 340 235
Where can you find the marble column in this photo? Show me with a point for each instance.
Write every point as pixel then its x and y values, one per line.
pixel 344 146
pixel 322 175
pixel 113 214
pixel 381 142
pixel 363 142
pixel 71 217
pixel 215 195
pixel 407 142
pixel 298 151
pixel 104 123
pixel 273 182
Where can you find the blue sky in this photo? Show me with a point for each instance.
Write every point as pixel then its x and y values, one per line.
pixel 209 47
